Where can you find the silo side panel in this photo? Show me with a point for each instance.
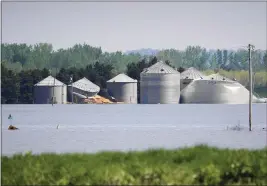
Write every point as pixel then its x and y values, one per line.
pixel 160 88
pixel 43 94
pixel 123 92
pixel 184 83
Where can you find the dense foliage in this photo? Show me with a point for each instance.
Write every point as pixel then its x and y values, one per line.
pixel 25 65
pixel 24 57
pixel 187 166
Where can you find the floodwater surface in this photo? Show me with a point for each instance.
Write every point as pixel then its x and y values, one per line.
pixel 92 128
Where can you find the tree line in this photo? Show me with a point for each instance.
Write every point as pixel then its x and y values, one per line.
pixel 23 66
pixel 20 57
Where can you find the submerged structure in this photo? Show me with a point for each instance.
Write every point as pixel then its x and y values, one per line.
pixel 123 88
pixel 189 75
pixel 50 90
pixel 159 83
pixel 215 89
pixel 82 89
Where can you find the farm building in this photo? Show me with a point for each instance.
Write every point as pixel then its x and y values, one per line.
pixel 159 83
pixel 123 88
pixel 50 90
pixel 82 89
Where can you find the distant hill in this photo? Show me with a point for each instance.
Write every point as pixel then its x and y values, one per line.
pixel 143 51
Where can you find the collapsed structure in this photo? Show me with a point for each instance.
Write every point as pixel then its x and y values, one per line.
pixel 215 89
pixel 82 89
pixel 189 75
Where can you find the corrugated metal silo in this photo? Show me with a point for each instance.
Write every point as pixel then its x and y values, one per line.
pixel 214 91
pixel 83 88
pixel 189 75
pixel 159 83
pixel 45 89
pixel 123 88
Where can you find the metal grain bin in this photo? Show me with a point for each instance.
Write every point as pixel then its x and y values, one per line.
pixel 123 88
pixel 83 87
pixel 160 83
pixel 45 89
pixel 206 91
pixel 189 75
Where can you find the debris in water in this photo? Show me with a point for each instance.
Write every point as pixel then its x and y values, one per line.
pixel 11 127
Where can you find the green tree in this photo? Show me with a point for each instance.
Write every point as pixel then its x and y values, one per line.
pixel 265 60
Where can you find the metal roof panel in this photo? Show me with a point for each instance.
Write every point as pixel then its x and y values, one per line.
pixel 160 68
pixel 50 81
pixel 217 76
pixel 86 85
pixel 192 73
pixel 122 78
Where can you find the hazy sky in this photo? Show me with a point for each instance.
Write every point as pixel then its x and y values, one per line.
pixel 126 26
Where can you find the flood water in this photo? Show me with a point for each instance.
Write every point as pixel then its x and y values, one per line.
pixel 92 128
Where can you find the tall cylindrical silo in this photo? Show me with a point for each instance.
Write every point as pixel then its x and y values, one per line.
pixel 160 83
pixel 123 88
pixel 45 90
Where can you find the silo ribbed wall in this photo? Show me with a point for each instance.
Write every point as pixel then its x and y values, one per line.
pixel 160 88
pixel 123 91
pixel 44 94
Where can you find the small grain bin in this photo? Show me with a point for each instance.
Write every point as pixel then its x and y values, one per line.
pixel 189 75
pixel 123 88
pixel 50 87
pixel 160 83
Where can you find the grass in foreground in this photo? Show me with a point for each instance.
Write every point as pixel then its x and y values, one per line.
pixel 196 165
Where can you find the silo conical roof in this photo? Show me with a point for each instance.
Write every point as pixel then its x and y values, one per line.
pixel 50 81
pixel 160 68
pixel 86 85
pixel 122 78
pixel 192 73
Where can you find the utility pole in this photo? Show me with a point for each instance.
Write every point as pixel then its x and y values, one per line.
pixel 250 47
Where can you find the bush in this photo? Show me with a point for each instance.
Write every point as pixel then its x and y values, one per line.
pixel 197 165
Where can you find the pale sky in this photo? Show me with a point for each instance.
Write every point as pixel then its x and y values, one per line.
pixel 133 25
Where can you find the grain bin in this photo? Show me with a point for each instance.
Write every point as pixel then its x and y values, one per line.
pixel 189 75
pixel 123 88
pixel 45 89
pixel 215 91
pixel 83 88
pixel 160 83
